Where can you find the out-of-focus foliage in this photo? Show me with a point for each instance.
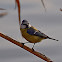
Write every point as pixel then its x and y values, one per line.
pixel 2 9
pixel 60 9
pixel 3 14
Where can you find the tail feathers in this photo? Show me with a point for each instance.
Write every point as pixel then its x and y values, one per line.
pixel 52 39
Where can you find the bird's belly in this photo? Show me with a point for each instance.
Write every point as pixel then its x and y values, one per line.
pixel 31 38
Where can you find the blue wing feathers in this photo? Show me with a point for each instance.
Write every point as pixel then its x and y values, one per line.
pixel 32 31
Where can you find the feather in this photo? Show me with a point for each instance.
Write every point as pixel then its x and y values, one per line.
pixel 34 32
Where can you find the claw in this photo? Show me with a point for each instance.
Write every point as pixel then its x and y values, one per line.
pixel 32 49
pixel 22 44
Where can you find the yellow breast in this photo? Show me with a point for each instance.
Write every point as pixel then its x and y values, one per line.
pixel 30 38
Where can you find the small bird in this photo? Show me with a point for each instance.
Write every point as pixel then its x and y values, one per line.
pixel 31 34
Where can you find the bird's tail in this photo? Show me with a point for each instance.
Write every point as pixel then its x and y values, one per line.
pixel 52 39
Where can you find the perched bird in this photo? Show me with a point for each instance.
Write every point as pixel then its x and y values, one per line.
pixel 31 34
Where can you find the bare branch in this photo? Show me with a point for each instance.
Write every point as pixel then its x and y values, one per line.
pixel 43 4
pixel 2 9
pixel 42 56
pixel 3 14
pixel 19 11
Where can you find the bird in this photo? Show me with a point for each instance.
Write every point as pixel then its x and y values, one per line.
pixel 31 34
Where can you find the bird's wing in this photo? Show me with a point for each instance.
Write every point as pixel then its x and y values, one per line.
pixel 40 34
pixel 31 31
pixel 34 32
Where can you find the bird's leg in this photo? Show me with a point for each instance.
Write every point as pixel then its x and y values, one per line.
pixel 33 47
pixel 24 43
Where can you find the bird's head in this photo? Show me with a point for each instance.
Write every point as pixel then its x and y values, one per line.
pixel 25 24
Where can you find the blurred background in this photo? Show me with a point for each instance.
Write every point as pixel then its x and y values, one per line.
pixel 49 22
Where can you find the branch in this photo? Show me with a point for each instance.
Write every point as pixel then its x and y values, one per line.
pixel 2 9
pixel 3 14
pixel 43 4
pixel 42 56
pixel 60 9
pixel 19 10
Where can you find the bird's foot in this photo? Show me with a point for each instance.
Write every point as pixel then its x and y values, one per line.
pixel 33 49
pixel 22 44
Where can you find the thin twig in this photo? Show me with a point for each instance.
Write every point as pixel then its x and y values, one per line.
pixel 40 55
pixel 19 11
pixel 3 14
pixel 43 4
pixel 2 9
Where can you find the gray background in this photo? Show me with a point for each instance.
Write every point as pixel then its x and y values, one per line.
pixel 49 22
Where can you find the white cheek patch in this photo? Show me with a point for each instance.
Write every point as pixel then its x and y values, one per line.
pixel 23 26
pixel 29 25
